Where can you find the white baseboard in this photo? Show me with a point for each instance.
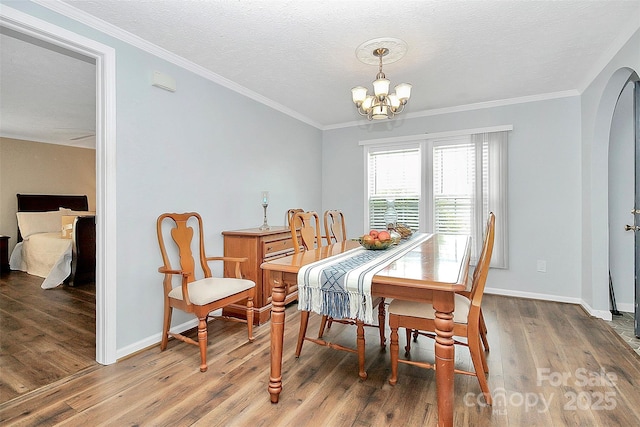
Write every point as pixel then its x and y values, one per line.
pixel 605 315
pixel 153 339
pixel 602 314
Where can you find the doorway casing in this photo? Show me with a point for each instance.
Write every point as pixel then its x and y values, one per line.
pixel 105 58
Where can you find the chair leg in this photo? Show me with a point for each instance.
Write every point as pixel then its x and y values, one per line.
pixel 323 323
pixel 407 348
pixel 250 318
pixel 394 348
pixel 166 325
pixel 202 342
pixel 476 350
pixel 329 322
pixel 483 357
pixel 381 322
pixel 304 321
pixel 483 332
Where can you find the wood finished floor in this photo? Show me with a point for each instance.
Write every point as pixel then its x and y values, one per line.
pixel 550 365
pixel 45 334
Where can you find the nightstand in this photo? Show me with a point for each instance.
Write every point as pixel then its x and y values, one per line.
pixel 4 253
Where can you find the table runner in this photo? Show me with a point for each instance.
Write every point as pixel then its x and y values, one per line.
pixel 340 286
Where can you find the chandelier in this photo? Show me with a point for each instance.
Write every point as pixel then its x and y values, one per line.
pixel 382 104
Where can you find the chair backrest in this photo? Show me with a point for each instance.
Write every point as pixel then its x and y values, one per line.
pixel 305 231
pixel 182 235
pixel 291 213
pixel 334 226
pixel 479 277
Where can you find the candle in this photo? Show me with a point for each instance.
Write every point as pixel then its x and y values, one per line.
pixel 265 197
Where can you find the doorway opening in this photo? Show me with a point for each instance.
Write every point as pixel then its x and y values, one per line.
pixel 104 57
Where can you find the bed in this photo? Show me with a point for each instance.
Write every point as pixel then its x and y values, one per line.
pixel 56 239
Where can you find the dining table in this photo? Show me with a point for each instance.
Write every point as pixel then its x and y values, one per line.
pixel 432 271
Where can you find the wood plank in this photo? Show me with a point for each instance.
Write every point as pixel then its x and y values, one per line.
pixel 322 386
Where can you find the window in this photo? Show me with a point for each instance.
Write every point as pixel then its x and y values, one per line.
pixel 444 185
pixel 394 177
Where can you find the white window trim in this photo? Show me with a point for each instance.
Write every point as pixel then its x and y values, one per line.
pixel 435 135
pixel 426 142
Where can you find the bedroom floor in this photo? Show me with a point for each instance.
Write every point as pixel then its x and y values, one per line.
pixel 623 325
pixel 45 335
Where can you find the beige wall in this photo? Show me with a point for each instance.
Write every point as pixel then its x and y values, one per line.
pixel 36 168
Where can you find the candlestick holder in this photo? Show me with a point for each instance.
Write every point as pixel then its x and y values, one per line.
pixel 265 203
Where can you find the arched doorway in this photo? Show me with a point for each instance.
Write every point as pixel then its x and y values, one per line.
pixel 598 214
pixel 621 200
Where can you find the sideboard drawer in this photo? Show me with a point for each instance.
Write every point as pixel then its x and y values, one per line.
pixel 277 247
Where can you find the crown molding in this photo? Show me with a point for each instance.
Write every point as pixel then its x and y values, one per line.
pixel 624 36
pixel 469 107
pixel 125 36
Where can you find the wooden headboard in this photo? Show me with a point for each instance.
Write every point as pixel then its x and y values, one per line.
pixel 50 202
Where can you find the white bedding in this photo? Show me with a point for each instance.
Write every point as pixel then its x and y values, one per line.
pixel 46 255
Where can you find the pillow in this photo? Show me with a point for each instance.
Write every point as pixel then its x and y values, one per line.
pixel 38 222
pixel 67 225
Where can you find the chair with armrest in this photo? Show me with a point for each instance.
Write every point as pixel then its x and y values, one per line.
pixel 421 317
pixel 306 237
pixel 199 296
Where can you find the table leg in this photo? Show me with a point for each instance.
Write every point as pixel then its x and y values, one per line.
pixel 278 294
pixel 361 349
pixel 443 303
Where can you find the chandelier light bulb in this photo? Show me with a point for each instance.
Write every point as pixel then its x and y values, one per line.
pixel 403 91
pixel 359 93
pixel 381 88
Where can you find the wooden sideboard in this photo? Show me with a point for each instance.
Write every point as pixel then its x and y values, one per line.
pixel 259 246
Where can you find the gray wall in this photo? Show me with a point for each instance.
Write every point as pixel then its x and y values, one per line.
pixel 208 149
pixel 544 187
pixel 203 148
pixel 598 103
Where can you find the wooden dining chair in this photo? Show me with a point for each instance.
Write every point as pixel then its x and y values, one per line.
pixel 291 213
pixel 334 226
pixel 335 229
pixel 198 292
pixel 305 233
pixel 416 316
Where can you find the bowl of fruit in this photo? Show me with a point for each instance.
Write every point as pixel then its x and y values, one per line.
pixel 376 240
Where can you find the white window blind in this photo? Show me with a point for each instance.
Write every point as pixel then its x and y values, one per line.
pixel 465 178
pixel 469 181
pixel 394 175
pixel 454 181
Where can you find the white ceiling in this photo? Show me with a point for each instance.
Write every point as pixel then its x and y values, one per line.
pixel 299 56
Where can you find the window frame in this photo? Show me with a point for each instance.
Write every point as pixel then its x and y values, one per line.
pixel 374 148
pixel 425 144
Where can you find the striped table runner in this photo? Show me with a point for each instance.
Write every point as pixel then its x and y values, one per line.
pixel 340 286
